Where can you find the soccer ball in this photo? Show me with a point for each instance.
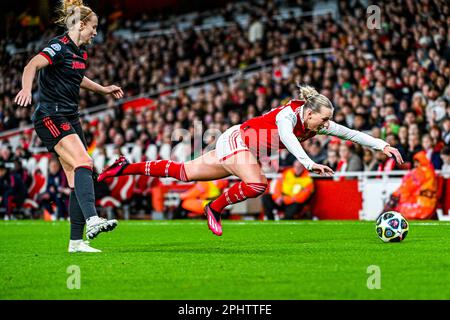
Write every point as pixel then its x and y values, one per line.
pixel 391 226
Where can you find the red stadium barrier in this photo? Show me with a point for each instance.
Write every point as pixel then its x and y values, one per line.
pixel 336 199
pixel 332 200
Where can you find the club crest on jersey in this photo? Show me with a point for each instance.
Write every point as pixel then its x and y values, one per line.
pixel 56 46
pixel 65 126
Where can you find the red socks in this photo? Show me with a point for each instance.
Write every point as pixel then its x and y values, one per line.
pixel 237 193
pixel 158 168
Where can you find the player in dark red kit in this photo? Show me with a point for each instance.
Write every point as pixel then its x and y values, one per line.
pixel 61 68
pixel 239 151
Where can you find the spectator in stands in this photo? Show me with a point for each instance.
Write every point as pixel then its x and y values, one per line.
pixel 393 140
pixel 256 30
pixel 416 198
pixel 369 161
pixel 316 153
pixel 22 172
pixel 292 191
pixel 445 156
pixel 446 131
pixel 436 137
pixel 413 147
pixel 286 159
pixel 384 163
pixel 332 159
pixel 6 154
pixel 12 191
pixel 348 160
pixel 57 192
pixel 432 154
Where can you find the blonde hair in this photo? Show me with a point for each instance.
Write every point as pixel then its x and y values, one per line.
pixel 71 12
pixel 313 99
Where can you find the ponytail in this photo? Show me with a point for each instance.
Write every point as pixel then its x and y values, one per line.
pixel 313 99
pixel 70 12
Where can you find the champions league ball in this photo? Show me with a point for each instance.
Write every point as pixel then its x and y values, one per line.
pixel 391 226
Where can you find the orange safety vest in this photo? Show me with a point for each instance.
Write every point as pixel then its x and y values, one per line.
pixel 418 191
pixel 208 190
pixel 293 188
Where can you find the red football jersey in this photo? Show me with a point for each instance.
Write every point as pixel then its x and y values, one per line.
pixel 261 135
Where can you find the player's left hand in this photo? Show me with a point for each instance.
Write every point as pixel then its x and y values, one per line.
pixel 390 151
pixel 115 91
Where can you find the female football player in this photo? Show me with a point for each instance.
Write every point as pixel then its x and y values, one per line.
pixel 61 67
pixel 239 151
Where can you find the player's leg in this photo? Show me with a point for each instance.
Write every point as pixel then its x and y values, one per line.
pixel 77 220
pixel 245 166
pixel 203 168
pixel 254 183
pixel 77 163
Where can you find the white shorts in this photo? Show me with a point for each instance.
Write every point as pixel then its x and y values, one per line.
pixel 229 143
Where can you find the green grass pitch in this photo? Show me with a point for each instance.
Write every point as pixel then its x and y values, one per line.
pixel 252 260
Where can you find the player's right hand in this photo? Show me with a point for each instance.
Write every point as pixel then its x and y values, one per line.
pixel 322 170
pixel 23 98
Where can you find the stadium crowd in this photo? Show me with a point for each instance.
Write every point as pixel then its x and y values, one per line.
pixel 392 82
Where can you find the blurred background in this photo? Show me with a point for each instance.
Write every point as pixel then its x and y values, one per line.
pixel 219 63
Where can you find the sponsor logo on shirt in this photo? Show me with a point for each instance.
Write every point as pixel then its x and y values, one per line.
pixel 78 65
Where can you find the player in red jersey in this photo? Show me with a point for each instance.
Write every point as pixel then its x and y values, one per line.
pixel 239 149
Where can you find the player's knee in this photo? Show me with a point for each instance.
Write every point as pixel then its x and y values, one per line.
pixel 192 172
pixel 255 189
pixel 85 162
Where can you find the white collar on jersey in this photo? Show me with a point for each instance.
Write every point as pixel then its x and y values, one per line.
pixel 301 114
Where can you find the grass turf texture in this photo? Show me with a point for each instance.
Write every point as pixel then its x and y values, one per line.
pixel 252 260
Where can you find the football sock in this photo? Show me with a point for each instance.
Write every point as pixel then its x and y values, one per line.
pixel 158 168
pixel 77 221
pixel 237 193
pixel 84 190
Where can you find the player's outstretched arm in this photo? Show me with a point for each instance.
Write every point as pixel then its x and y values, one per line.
pixel 361 138
pixel 23 98
pixel 90 85
pixel 286 120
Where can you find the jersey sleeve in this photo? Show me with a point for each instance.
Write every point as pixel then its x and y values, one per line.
pixel 53 52
pixel 286 121
pixel 361 138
